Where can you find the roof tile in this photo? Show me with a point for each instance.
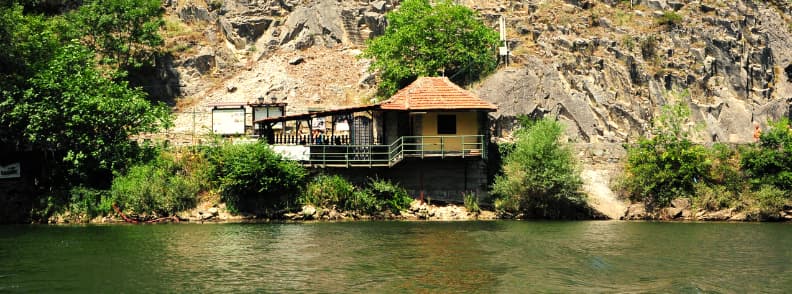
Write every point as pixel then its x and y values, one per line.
pixel 435 93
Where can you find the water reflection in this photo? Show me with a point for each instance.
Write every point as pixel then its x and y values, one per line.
pixel 399 257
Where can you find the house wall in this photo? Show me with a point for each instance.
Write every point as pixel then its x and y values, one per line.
pixel 467 123
pixel 439 179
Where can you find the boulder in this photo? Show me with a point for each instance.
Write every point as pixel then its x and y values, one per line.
pixel 720 215
pixel 192 13
pixel 308 212
pixel 739 217
pixel 680 203
pixel 636 211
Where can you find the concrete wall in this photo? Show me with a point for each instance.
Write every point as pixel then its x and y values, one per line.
pixel 466 124
pixel 440 179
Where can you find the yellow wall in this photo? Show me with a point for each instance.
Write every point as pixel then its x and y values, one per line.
pixel 466 124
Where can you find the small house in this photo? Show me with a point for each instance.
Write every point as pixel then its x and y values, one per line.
pixel 431 137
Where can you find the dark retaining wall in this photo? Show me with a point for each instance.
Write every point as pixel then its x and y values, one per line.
pixel 439 179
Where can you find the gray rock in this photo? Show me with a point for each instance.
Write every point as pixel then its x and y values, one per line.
pixel 213 211
pixel 192 13
pixel 379 6
pixel 297 60
pixel 657 4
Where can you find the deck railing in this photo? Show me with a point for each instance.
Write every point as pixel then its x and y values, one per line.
pixel 389 155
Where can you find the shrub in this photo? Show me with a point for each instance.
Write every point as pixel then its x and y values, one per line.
pixel 669 164
pixel 162 187
pixel 715 197
pixel 670 18
pixel 376 196
pixel 253 178
pixel 390 195
pixel 769 201
pixel 88 203
pixel 539 177
pixel 771 161
pixel 471 203
pixel 326 191
pixel 648 47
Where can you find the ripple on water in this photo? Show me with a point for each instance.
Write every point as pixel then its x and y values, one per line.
pixel 458 257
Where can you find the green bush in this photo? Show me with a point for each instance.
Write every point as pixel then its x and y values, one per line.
pixel 471 203
pixel 376 196
pixel 161 187
pixel 770 200
pixel 252 178
pixel 540 178
pixel 668 165
pixel 771 161
pixel 670 18
pixel 327 191
pixel 390 195
pixel 715 197
pixel 89 203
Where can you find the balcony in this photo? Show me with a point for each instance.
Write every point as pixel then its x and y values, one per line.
pixel 380 155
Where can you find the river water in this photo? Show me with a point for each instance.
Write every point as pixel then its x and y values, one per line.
pixel 399 257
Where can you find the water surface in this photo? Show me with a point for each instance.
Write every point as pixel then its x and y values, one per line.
pixel 398 257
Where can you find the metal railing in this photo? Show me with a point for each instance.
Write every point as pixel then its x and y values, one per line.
pixel 390 155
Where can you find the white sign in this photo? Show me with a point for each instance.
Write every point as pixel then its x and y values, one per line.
pixel 228 121
pixel 265 111
pixel 11 171
pixel 318 123
pixel 342 126
pixel 299 153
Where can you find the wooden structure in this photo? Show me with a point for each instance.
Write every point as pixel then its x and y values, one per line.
pixel 430 118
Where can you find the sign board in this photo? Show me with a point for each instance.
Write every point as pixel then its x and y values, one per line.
pixel 318 123
pixel 11 171
pixel 260 112
pixel 228 121
pixel 299 153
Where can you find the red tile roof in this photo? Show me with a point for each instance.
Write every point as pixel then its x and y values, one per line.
pixel 435 93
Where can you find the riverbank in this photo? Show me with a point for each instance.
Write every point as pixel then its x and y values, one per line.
pixel 219 213
pixel 681 209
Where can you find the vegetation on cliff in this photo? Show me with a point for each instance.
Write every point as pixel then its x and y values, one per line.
pixel 753 179
pixel 540 177
pixel 424 39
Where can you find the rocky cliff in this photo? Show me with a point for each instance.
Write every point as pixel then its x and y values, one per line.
pixel 604 67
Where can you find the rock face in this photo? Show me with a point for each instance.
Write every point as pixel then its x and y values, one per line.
pixel 603 67
pixel 608 82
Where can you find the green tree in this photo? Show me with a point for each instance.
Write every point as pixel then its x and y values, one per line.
pixel 667 165
pixel 75 110
pixel 540 177
pixel 124 32
pixel 425 40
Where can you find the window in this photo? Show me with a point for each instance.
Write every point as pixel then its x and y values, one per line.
pixel 446 124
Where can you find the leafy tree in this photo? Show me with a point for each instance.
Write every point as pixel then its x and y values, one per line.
pixel 423 40
pixel 75 110
pixel 540 178
pixel 124 32
pixel 667 165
